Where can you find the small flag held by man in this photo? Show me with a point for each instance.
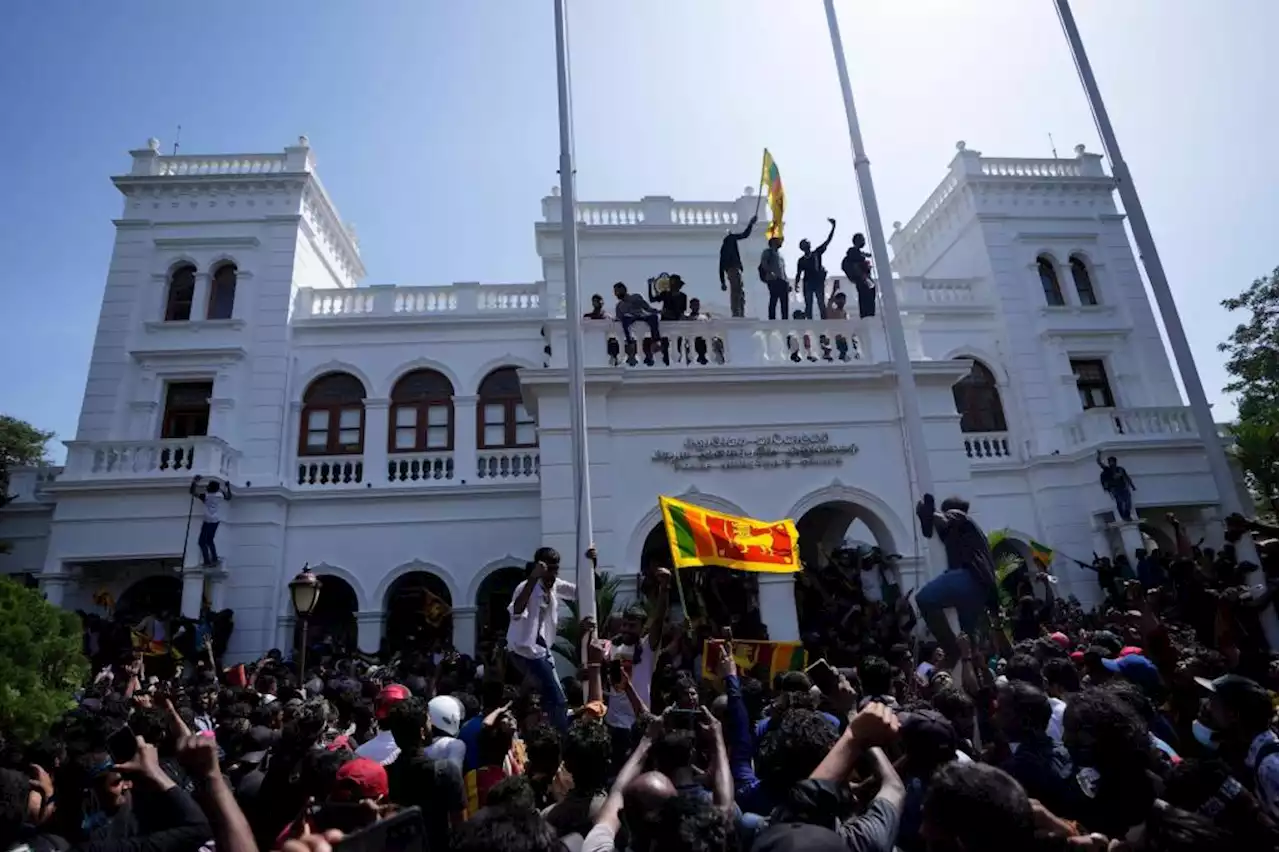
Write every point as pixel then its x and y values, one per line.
pixel 700 537
pixel 772 183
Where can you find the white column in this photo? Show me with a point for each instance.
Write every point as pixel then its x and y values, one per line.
pixel 778 606
pixel 464 439
pixel 54 586
pixel 1130 538
pixel 375 441
pixel 464 630
pixel 200 300
pixel 192 592
pixel 369 631
pixel 217 579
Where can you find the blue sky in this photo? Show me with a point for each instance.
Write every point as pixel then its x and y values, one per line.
pixel 434 122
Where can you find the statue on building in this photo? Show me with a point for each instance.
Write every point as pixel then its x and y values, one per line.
pixel 1115 481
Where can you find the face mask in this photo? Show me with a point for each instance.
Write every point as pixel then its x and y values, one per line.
pixel 1204 734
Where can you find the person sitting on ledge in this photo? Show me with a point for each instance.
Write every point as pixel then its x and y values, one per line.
pixel 632 308
pixel 597 308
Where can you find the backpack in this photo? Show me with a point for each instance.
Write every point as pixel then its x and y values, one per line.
pixel 760 270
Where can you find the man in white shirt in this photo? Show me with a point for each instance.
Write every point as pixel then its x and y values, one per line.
pixel 535 612
pixel 634 650
pixel 213 498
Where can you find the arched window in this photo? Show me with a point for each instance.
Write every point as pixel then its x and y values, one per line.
pixel 1049 281
pixel 502 419
pixel 332 416
pixel 222 292
pixel 182 291
pixel 978 401
pixel 1084 284
pixel 421 413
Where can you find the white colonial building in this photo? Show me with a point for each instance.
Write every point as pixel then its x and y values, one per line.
pixel 406 437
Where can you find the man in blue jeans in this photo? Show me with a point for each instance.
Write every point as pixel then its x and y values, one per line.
pixel 535 612
pixel 969 583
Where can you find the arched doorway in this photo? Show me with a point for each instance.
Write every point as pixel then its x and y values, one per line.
pixel 159 595
pixel 419 614
pixel 331 627
pixel 492 598
pixel 848 558
pixel 715 597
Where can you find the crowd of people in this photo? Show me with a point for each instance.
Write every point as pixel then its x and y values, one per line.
pixel 1145 724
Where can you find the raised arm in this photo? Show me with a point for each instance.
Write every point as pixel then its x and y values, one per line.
pixel 747 231
pixel 521 602
pixel 820 249
pixel 659 618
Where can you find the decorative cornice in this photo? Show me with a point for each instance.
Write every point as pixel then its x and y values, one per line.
pixel 173 243
pixel 195 358
pixel 191 326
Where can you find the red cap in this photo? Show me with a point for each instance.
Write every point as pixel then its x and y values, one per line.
pixel 1077 656
pixel 1129 650
pixel 390 695
pixel 361 778
pixel 1061 640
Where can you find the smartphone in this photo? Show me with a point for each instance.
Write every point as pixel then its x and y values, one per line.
pixel 823 676
pixel 400 833
pixel 122 745
pixel 681 719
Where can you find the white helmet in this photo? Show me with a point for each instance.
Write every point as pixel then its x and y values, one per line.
pixel 445 713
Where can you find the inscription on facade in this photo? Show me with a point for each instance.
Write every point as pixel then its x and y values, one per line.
pixel 777 450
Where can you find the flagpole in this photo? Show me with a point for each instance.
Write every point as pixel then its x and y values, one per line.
pixel 759 194
pixel 916 447
pixel 573 324
pixel 1228 496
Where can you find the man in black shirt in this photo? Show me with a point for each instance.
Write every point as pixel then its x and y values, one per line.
pixel 731 269
pixel 435 786
pixel 1116 482
pixel 857 268
pixel 672 298
pixel 809 271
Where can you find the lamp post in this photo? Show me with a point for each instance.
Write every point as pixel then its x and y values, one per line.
pixel 304 591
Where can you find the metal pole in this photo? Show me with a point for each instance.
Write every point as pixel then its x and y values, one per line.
pixel 573 325
pixel 916 446
pixel 1228 496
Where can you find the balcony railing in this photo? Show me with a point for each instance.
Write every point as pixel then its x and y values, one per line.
pixel 515 465
pixel 720 343
pixel 330 472
pixel 988 447
pixel 1100 425
pixel 385 302
pixel 30 484
pixel 163 458
pixel 435 470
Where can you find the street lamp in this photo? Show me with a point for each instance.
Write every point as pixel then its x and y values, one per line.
pixel 304 590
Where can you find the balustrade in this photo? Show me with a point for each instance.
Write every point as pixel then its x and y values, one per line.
pixel 987 447
pixel 225 164
pixel 722 343
pixel 392 302
pixel 175 458
pixel 330 472
pixel 1131 424
pixel 426 468
pixel 513 464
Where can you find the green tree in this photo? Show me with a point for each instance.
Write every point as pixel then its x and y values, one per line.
pixel 1253 363
pixel 41 663
pixel 21 445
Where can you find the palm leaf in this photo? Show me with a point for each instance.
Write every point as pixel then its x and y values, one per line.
pixel 568 642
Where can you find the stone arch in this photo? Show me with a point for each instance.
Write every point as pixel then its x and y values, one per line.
pixel 473 589
pixel 335 612
pixel 222 259
pixel 417 566
pixel 1080 258
pixel 890 533
pixel 322 570
pixel 653 518
pixel 984 357
pixel 417 603
pixel 420 364
pixel 176 262
pixel 151 595
pixel 481 372
pixel 334 366
pixel 500 577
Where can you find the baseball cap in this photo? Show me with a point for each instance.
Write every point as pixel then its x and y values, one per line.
pixel 1136 669
pixel 361 778
pixel 798 837
pixel 1061 640
pixel 927 735
pixel 1239 694
pixel 1130 650
pixel 389 696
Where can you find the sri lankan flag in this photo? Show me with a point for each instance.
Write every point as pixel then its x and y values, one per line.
pixel 762 660
pixel 699 537
pixel 772 182
pixel 434 608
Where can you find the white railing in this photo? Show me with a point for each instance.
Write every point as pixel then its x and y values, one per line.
pixel 521 464
pixel 330 472
pixel 610 213
pixel 930 207
pixel 718 343
pixel 937 291
pixel 431 468
pixel 653 212
pixel 1021 167
pixel 392 302
pixel 986 447
pixel 1131 424
pixel 704 213
pixel 223 164
pixel 175 458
